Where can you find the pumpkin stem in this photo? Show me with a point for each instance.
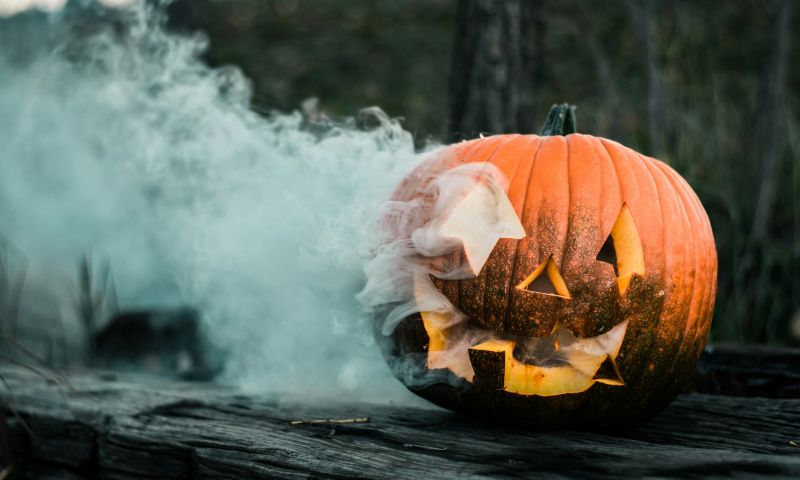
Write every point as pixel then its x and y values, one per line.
pixel 560 120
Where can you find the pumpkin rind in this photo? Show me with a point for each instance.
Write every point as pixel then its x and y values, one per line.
pixel 569 192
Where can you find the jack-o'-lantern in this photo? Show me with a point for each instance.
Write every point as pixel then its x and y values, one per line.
pixel 575 286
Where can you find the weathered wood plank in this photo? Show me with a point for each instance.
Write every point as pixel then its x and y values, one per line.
pixel 749 371
pixel 123 427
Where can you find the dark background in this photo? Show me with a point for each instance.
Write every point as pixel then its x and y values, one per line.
pixel 708 87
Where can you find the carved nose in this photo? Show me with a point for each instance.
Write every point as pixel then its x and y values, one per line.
pixel 546 280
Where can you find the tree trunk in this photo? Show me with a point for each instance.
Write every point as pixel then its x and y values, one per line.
pixel 609 125
pixel 188 16
pixel 495 67
pixel 641 15
pixel 765 150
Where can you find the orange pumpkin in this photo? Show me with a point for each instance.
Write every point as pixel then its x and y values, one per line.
pixel 587 302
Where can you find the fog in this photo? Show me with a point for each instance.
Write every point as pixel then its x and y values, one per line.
pixel 121 145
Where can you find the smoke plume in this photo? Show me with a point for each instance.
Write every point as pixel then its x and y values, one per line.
pixel 119 143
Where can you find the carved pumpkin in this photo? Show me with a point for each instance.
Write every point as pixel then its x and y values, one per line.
pixel 579 288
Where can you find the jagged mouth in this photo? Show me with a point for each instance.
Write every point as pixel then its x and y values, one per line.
pixel 554 365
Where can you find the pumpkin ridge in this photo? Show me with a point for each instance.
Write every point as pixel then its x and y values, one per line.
pixel 569 207
pixel 581 403
pixel 458 255
pixel 708 240
pixel 702 276
pixel 634 160
pixel 680 282
pixel 510 291
pixel 695 317
pixel 604 190
pixel 479 286
pixel 485 155
pixel 640 168
pixel 607 196
pixel 666 272
pixel 712 258
pixel 475 290
pixel 643 162
pixel 531 139
pixel 692 319
pixel 616 175
pixel 710 301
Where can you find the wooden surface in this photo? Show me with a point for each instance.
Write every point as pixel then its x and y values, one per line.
pixel 103 425
pixel 749 371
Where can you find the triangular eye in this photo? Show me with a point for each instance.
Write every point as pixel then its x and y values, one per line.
pixel 545 279
pixel 607 254
pixel 623 250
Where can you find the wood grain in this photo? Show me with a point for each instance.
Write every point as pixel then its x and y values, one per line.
pixel 118 426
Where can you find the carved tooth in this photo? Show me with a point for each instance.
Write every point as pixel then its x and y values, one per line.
pixel 608 373
pixel 489 363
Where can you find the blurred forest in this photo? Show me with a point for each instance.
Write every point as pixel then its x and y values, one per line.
pixel 709 87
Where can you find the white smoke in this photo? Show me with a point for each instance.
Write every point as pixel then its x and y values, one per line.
pixel 121 144
pixel 443 223
pixel 417 239
pixel 13 7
